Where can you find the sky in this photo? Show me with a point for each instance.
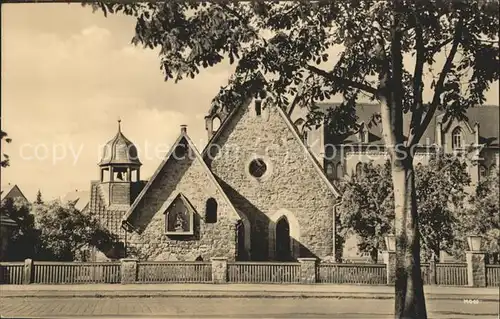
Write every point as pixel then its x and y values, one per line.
pixel 68 75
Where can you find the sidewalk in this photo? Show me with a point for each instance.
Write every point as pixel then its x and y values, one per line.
pixel 239 291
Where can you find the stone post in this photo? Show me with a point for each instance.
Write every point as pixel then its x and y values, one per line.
pixel 219 270
pixel 390 266
pixel 432 271
pixel 476 268
pixel 307 270
pixel 128 270
pixel 28 270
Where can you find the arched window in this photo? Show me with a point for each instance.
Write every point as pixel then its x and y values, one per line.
pixel 340 171
pixel 482 171
pixel 359 169
pixel 362 135
pixel 211 211
pixel 456 138
pixel 215 124
pixel 493 169
pixel 305 135
pixel 329 170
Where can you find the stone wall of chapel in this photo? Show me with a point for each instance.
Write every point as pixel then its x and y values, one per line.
pixel 291 182
pixel 209 240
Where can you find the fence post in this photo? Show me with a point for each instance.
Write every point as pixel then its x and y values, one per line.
pixel 432 272
pixel 219 270
pixel 28 271
pixel 128 270
pixel 390 266
pixel 476 268
pixel 307 270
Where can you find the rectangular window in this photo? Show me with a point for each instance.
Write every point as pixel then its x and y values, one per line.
pixel 258 107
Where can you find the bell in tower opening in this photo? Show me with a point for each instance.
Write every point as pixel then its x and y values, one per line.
pixel 119 169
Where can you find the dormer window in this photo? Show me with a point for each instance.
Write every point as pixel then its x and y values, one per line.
pixel 482 171
pixel 179 217
pixel 359 169
pixel 363 134
pixel 456 139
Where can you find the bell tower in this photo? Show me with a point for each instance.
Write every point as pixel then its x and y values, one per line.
pixel 119 170
pixel 214 119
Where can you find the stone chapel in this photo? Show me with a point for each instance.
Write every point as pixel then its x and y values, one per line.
pixel 256 192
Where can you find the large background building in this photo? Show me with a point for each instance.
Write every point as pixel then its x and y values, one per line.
pixel 477 138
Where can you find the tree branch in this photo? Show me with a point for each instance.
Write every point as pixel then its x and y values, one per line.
pixel 420 129
pixel 344 81
pixel 417 106
pixel 436 48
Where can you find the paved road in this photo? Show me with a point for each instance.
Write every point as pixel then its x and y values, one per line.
pixel 184 308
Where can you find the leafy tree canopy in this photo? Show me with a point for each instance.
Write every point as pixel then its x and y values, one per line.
pixel 65 231
pixel 367 208
pixel 52 231
pixel 292 42
pixel 24 241
pixel 481 218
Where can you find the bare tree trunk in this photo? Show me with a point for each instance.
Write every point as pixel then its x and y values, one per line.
pixel 409 298
pixel 409 291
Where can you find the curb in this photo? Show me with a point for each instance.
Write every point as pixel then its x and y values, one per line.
pixel 232 294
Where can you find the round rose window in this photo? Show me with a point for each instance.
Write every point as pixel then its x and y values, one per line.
pixel 257 168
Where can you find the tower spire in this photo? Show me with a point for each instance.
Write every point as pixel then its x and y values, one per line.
pixel 119 125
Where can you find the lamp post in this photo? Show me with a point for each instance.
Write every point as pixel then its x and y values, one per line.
pixel 476 262
pixel 390 243
pixel 390 258
pixel 474 242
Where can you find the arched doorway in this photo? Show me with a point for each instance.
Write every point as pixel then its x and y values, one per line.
pixel 283 245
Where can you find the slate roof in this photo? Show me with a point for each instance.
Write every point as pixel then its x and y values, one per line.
pixel 120 150
pixel 82 199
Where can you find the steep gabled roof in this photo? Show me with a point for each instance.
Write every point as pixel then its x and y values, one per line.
pixel 12 191
pixel 182 136
pixel 80 198
pixel 296 135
